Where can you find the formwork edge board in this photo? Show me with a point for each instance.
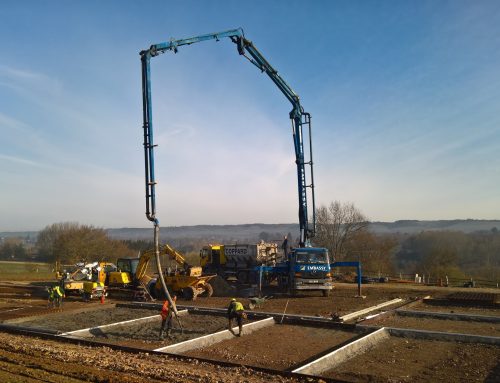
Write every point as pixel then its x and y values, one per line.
pixel 207 340
pixel 223 311
pixel 262 314
pixel 370 309
pixel 338 356
pixel 148 318
pixel 444 336
pixel 452 316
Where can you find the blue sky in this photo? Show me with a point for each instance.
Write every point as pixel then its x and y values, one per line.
pixel 405 99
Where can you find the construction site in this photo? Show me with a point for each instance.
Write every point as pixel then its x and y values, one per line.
pixel 303 320
pixel 397 332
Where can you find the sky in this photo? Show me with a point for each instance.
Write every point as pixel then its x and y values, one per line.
pixel 404 98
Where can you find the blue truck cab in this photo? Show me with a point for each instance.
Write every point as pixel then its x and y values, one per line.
pixel 306 268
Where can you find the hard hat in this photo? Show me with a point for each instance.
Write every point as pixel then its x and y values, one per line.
pixel 234 299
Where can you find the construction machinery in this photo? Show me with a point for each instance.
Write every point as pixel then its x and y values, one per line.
pixel 296 273
pixel 184 280
pixel 238 261
pixel 76 281
pixel 129 280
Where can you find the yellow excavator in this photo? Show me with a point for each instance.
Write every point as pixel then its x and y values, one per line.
pixel 130 276
pixel 129 280
pixel 186 280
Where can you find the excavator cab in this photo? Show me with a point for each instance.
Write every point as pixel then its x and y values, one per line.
pixel 126 272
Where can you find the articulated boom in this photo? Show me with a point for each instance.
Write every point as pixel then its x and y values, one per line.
pixel 297 115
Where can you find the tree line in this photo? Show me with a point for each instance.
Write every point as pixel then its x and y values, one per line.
pixel 341 227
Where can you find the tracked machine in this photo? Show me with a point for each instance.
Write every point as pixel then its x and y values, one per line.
pixel 184 280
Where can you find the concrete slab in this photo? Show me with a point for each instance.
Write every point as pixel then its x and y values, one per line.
pixel 341 354
pixel 359 313
pixel 87 332
pixel 208 340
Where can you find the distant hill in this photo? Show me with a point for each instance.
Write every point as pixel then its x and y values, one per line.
pixel 233 233
pixel 252 232
pixel 276 231
pixel 413 226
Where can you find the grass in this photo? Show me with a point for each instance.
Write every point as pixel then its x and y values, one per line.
pixel 26 271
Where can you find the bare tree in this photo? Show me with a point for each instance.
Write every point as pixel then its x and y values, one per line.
pixel 71 242
pixel 336 225
pixel 48 236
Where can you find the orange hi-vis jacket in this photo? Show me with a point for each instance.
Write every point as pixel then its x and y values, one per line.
pixel 164 310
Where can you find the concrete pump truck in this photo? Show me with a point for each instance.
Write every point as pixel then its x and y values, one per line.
pixel 306 267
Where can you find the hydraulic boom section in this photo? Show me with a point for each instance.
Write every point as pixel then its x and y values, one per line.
pixel 300 120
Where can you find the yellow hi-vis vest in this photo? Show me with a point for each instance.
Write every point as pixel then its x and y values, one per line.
pixel 237 306
pixel 57 290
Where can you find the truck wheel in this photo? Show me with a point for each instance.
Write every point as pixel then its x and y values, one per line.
pixel 189 293
pixel 326 293
pixel 209 290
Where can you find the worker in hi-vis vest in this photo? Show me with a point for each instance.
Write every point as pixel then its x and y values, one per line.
pixel 236 311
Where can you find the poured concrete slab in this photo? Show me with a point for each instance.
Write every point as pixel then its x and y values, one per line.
pixel 89 332
pixel 220 336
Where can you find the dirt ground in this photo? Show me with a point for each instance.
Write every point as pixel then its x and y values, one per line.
pixel 431 324
pixel 409 360
pixel 471 310
pixel 71 321
pixel 30 360
pixel 145 334
pixel 342 301
pixel 279 346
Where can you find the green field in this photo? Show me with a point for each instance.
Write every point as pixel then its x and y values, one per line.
pixel 26 271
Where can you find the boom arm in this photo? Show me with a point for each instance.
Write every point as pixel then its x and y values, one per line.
pixel 166 249
pixel 143 264
pixel 297 115
pixel 299 119
pixel 175 255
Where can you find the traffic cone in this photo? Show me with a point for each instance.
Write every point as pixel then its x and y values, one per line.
pixel 102 299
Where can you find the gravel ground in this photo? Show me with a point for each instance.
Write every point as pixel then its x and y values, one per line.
pixel 409 360
pixel 28 360
pixel 70 321
pixel 24 359
pixel 145 334
pixel 278 346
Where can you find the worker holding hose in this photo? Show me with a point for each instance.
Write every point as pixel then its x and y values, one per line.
pixel 166 318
